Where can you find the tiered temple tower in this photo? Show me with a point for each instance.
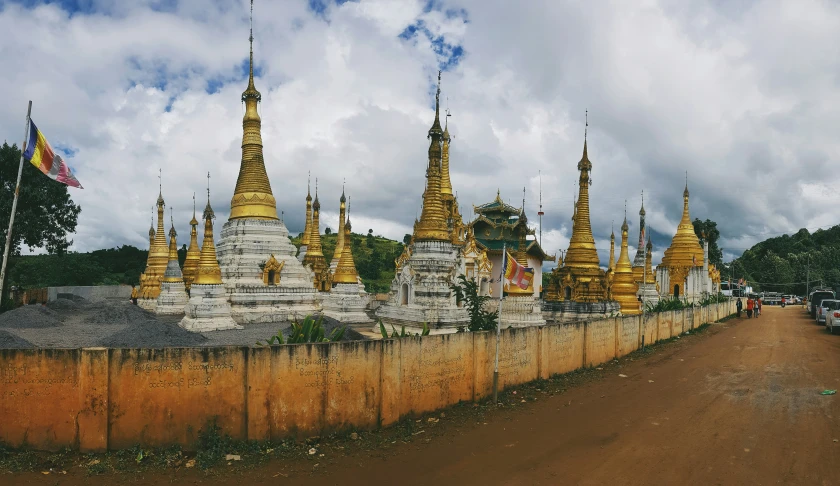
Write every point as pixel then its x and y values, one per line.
pixel 682 272
pixel 193 252
pixel 208 308
pixel 624 287
pixel 579 288
pixel 304 237
pixel 639 259
pixel 314 258
pixel 156 264
pixel 347 299
pixel 254 235
pixel 173 294
pixel 420 291
pixel 339 242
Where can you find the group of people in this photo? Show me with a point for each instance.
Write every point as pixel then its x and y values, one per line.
pixel 753 307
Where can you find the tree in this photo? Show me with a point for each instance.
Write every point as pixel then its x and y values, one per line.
pixel 45 212
pixel 328 231
pixel 467 292
pixel 709 229
pixel 406 239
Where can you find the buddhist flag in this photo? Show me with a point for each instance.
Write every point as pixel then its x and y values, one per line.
pixel 516 273
pixel 41 155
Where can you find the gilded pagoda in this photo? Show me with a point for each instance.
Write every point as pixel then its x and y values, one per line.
pixel 151 278
pixel 680 272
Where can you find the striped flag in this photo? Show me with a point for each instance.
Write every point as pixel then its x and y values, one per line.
pixel 516 273
pixel 41 155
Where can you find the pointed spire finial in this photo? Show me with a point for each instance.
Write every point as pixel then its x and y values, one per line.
pixel 586 125
pixel 251 91
pixel 208 210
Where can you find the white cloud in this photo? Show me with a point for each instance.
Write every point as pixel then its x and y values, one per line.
pixel 737 93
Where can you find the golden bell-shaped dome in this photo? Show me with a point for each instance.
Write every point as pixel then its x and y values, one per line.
pixel 624 286
pixel 685 250
pixel 346 272
pixel 208 272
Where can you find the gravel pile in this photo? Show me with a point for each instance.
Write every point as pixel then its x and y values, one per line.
pixel 152 334
pixel 10 341
pixel 67 305
pixel 117 313
pixel 30 317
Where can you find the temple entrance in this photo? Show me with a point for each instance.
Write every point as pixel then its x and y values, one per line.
pixel 404 294
pixel 271 277
pixel 567 293
pixel 676 290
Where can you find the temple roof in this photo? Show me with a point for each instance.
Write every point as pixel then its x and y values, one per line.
pixel 495 225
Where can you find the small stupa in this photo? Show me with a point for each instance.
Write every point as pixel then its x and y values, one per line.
pixel 156 264
pixel 521 307
pixel 173 294
pixel 304 237
pixel 347 299
pixel 314 258
pixel 624 287
pixel 648 288
pixel 339 240
pixel 193 252
pixel 208 308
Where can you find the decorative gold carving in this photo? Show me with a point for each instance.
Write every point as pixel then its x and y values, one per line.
pixel 271 271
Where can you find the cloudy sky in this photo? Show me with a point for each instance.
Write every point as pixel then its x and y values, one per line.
pixel 739 93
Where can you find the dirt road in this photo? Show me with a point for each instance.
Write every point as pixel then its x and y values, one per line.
pixel 741 405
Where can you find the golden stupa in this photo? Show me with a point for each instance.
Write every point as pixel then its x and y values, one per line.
pixel 158 258
pixel 611 266
pixel 307 228
pixel 432 225
pixel 208 272
pixel 685 251
pixel 339 241
pixel 345 271
pixel 173 256
pixel 624 287
pixel 193 252
pixel 252 198
pixel 580 279
pixel 315 253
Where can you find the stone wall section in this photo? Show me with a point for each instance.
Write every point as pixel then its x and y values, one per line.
pixel 96 399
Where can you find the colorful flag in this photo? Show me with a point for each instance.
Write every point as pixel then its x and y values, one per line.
pixel 41 155
pixel 516 273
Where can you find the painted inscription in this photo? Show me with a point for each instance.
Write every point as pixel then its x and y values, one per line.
pixel 321 372
pixel 174 375
pixel 21 381
pixel 434 370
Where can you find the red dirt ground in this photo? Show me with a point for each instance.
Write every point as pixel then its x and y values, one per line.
pixel 740 404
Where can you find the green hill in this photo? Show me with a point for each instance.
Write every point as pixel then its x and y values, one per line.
pixel 781 264
pixel 374 257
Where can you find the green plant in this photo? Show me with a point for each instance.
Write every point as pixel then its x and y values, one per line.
pixel 211 445
pixel 467 292
pixel 665 305
pixel 309 331
pixel 401 333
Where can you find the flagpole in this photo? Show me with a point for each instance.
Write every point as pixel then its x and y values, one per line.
pixel 14 203
pixel 499 324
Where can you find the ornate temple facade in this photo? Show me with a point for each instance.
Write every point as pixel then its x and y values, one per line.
pixel 208 308
pixel 253 235
pixel 683 272
pixel 578 287
pixel 156 264
pixel 173 293
pixel 420 291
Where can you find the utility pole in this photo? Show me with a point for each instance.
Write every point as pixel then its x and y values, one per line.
pixel 808 279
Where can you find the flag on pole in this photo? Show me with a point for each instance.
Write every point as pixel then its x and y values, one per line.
pixel 40 154
pixel 516 273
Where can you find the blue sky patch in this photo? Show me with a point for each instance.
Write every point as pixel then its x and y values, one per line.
pixel 67 150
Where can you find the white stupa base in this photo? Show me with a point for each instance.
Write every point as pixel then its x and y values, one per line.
pixel 347 303
pixel 520 311
pixel 147 304
pixel 208 310
pixel 302 252
pixel 173 299
pixel 245 245
pixel 648 293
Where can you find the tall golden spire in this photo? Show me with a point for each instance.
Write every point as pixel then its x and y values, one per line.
pixel 685 249
pixel 612 251
pixel 307 228
pixel 445 182
pixel 582 253
pixel 339 241
pixel 208 272
pixel 432 224
pixel 252 198
pixel 151 236
pixel 346 272
pixel 193 251
pixel 648 275
pixel 624 287
pixel 315 254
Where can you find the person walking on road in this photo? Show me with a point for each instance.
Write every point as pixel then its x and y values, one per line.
pixel 739 305
pixel 750 305
pixel 758 306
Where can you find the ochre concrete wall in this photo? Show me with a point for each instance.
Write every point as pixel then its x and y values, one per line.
pixel 96 399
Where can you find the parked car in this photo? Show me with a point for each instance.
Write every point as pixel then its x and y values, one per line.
pixel 832 318
pixel 816 298
pixel 826 306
